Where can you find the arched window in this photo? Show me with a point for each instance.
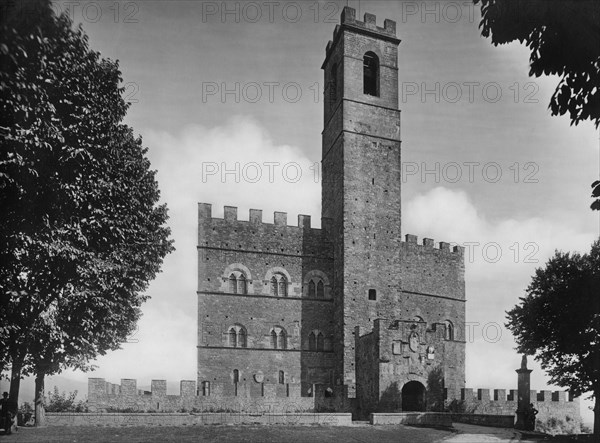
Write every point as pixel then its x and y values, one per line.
pixel 449 330
pixel 311 289
pixel 232 284
pixel 333 86
pixel 282 340
pixel 320 289
pixel 281 377
pixel 320 342
pixel 236 279
pixel 242 287
pixel 273 286
pixel 312 342
pixel 206 388
pixel 236 376
pixel 278 338
pixel 282 286
pixel 236 336
pixel 371 74
pixel 232 337
pixel 241 339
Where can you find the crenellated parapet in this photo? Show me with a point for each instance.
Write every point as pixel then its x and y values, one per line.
pixel 558 404
pixel 255 235
pixel 502 395
pixel 433 270
pixel 411 241
pixel 246 396
pixel 367 26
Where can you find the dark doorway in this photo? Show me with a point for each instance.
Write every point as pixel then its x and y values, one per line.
pixel 413 396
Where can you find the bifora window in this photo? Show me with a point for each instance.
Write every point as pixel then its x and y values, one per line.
pixel 236 336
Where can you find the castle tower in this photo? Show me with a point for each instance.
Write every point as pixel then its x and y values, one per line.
pixel 361 178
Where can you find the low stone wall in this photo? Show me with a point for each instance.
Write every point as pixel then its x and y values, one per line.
pixel 497 421
pixel 558 405
pixel 412 418
pixel 175 419
pixel 266 398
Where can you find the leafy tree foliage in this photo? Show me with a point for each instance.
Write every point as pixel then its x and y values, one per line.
pixel 61 402
pixel 558 322
pixel 81 229
pixel 564 39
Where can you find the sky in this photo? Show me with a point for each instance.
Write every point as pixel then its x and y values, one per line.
pixel 218 89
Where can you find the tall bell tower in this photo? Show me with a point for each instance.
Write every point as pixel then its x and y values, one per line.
pixel 361 178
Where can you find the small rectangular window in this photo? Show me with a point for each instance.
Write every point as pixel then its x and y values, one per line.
pixel 372 294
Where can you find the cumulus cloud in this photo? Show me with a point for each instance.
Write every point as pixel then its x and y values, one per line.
pixel 500 258
pixel 207 165
pixel 236 164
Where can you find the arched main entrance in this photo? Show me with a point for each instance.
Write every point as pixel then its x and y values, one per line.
pixel 413 396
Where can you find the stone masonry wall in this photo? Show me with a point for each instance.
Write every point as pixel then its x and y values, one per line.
pixel 558 404
pixel 260 251
pixel 270 397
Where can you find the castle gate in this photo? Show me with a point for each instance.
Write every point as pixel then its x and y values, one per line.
pixel 413 396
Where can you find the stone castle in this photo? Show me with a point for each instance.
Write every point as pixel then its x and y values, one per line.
pixel 350 306
pixel 350 317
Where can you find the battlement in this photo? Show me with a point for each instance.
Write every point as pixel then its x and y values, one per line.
pixel 128 388
pixel 207 396
pixel 428 243
pixel 367 26
pixel 230 214
pixel 500 395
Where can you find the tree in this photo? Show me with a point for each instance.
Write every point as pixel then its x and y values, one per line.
pixel 558 322
pixel 63 402
pixel 81 229
pixel 564 39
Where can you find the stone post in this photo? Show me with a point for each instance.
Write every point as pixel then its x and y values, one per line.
pixel 524 395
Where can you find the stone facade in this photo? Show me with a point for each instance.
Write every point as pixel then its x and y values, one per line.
pixel 268 398
pixel 558 404
pixel 292 305
pixel 351 317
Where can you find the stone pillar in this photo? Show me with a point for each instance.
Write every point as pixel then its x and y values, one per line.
pixel 524 394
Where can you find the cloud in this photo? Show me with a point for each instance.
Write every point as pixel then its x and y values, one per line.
pixel 251 172
pixel 503 256
pixel 207 165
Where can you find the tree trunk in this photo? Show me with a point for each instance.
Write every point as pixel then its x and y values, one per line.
pixel 15 379
pixel 597 412
pixel 40 412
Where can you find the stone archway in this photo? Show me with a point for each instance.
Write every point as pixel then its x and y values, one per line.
pixel 413 396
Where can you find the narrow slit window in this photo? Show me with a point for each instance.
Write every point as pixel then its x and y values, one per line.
pixel 282 340
pixel 282 287
pixel 320 290
pixel 312 345
pixel 311 289
pixel 242 338
pixel 232 284
pixel 241 285
pixel 320 342
pixel 232 338
pixel 333 85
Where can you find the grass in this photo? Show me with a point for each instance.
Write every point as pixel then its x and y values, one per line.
pixel 229 434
